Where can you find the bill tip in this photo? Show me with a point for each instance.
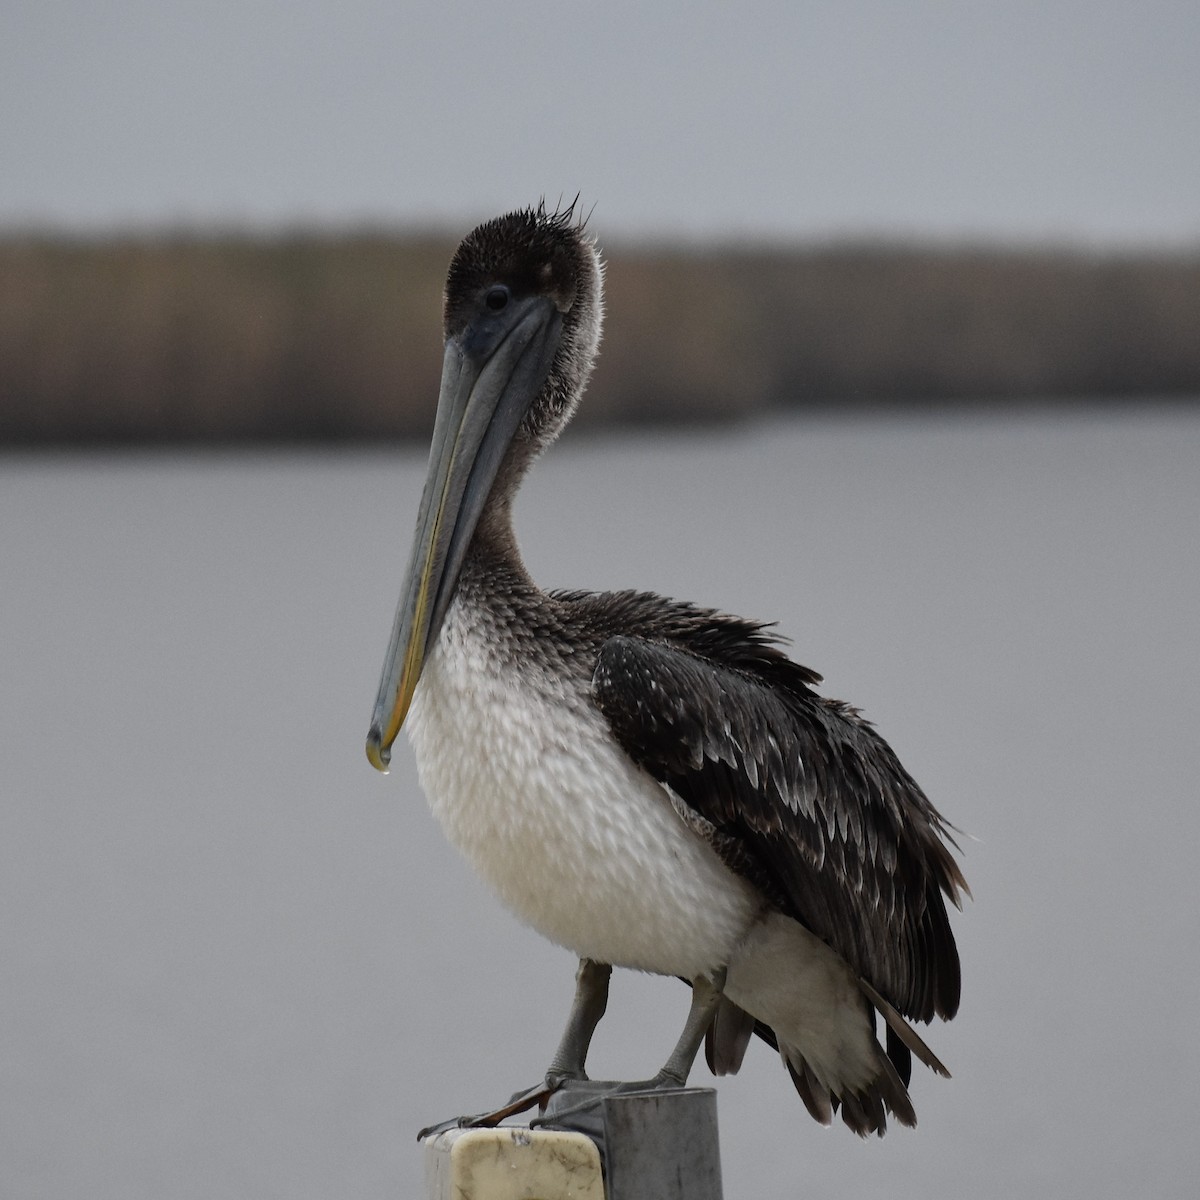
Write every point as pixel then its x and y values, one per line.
pixel 378 754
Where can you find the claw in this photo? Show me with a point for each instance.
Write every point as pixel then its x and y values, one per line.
pixel 521 1102
pixel 441 1127
pixel 662 1082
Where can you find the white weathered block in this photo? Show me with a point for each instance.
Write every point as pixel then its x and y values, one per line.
pixel 512 1164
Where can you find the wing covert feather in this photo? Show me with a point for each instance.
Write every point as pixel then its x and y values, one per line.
pixel 804 799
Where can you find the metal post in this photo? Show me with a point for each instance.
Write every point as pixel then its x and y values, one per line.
pixel 662 1146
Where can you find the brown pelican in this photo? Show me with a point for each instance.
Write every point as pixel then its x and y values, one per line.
pixel 650 784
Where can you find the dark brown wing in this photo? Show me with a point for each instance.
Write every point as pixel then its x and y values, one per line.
pixel 802 797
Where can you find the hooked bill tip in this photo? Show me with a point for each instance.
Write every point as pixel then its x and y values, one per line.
pixel 378 754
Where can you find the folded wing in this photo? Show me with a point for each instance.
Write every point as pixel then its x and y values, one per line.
pixel 799 795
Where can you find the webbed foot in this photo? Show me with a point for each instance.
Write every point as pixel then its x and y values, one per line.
pixel 521 1102
pixel 595 1092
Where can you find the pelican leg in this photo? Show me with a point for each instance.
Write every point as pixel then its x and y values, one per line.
pixel 706 994
pixel 591 999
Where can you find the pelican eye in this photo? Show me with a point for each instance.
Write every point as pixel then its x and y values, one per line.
pixel 497 297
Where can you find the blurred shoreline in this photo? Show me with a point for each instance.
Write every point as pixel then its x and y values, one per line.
pixel 226 339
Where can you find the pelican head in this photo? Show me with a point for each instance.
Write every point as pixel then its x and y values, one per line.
pixel 522 324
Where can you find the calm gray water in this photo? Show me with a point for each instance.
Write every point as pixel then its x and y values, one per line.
pixel 238 963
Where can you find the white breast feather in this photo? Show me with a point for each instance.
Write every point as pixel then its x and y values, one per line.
pixel 579 842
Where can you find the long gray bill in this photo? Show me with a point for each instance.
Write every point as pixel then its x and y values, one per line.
pixel 491 374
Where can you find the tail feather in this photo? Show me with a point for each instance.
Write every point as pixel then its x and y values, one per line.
pixel 861 1118
pixel 903 1030
pixel 864 1110
pixel 894 1089
pixel 824 1020
pixel 814 1094
pixel 899 1055
pixel 727 1037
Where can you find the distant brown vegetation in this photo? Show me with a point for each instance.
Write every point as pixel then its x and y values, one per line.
pixel 334 337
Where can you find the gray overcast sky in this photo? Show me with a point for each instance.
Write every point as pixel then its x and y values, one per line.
pixel 1027 119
